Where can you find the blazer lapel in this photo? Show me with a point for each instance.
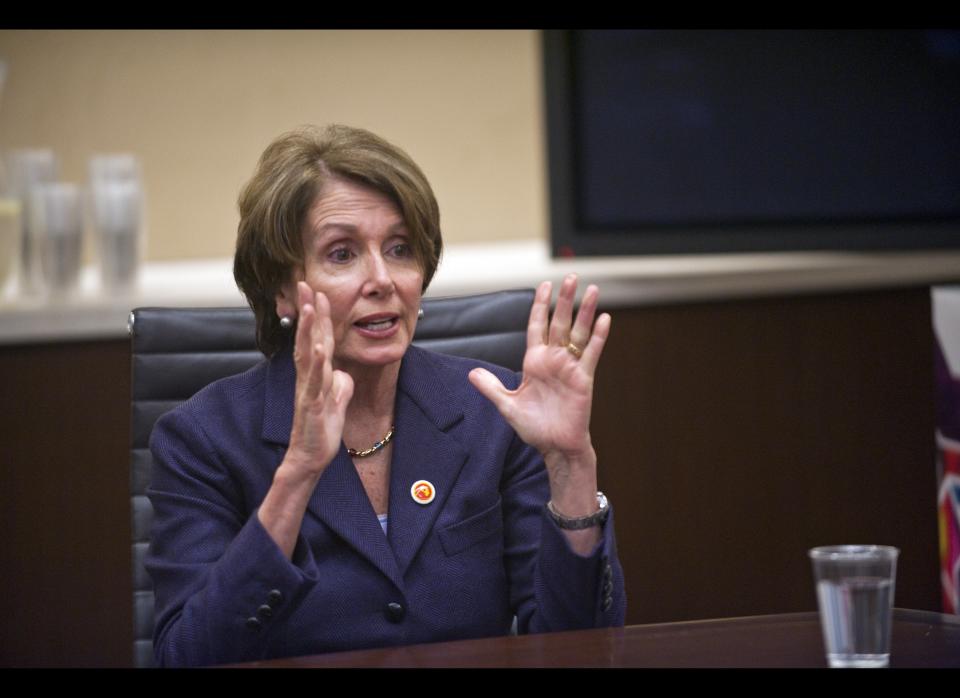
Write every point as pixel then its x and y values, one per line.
pixel 339 499
pixel 426 408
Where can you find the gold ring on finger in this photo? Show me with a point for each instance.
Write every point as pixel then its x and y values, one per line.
pixel 574 349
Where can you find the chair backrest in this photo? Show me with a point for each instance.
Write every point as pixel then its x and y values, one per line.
pixel 178 351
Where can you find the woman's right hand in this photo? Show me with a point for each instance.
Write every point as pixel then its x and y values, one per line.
pixel 320 407
pixel 322 394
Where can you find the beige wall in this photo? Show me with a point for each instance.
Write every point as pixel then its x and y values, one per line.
pixel 198 107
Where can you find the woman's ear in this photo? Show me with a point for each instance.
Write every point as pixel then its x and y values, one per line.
pixel 286 300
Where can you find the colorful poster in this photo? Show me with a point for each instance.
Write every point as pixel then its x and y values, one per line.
pixel 946 323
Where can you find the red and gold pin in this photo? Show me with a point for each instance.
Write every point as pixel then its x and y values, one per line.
pixel 422 492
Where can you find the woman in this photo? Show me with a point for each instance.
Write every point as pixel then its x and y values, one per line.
pixel 353 490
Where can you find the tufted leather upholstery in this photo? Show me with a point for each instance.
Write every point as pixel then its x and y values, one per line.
pixel 178 351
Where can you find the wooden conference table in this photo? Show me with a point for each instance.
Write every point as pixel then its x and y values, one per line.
pixel 920 639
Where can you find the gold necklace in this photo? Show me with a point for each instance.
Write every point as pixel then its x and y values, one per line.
pixel 373 449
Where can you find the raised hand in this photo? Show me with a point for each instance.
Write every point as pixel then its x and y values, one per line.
pixel 320 405
pixel 322 394
pixel 550 410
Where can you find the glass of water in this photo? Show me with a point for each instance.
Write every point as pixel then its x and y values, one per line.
pixel 26 169
pixel 117 215
pixel 56 227
pixel 116 208
pixel 855 587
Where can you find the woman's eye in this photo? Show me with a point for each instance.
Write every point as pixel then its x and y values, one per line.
pixel 402 250
pixel 341 254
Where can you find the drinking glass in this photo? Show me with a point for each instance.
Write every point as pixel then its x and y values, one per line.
pixel 11 230
pixel 116 208
pixel 26 168
pixel 56 232
pixel 855 588
pixel 114 166
pixel 116 212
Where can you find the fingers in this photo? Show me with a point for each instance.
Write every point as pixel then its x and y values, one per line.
pixel 583 325
pixel 563 313
pixel 583 333
pixel 563 329
pixel 323 337
pixel 342 388
pixel 301 347
pixel 539 314
pixel 314 343
pixel 316 375
pixel 591 354
pixel 491 388
pixel 304 294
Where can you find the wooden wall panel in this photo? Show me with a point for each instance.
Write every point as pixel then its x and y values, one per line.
pixel 734 436
pixel 65 594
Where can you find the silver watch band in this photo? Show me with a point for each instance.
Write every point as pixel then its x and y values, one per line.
pixel 582 522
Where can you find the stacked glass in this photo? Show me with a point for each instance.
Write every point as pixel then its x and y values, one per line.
pixel 117 218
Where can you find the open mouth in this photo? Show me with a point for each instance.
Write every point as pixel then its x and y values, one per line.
pixel 379 324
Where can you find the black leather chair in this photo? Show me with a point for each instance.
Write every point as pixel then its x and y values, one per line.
pixel 178 351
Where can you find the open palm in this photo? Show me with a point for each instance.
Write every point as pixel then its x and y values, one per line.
pixel 550 410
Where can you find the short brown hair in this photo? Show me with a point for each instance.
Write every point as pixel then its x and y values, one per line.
pixel 289 177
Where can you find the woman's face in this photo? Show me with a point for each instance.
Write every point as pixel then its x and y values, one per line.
pixel 357 251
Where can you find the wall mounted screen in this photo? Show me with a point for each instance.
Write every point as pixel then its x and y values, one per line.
pixel 670 141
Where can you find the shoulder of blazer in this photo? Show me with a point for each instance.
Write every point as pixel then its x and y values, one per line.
pixel 230 390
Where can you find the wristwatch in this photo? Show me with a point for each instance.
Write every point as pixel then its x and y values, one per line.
pixel 595 519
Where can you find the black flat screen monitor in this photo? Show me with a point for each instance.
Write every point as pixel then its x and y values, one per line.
pixel 668 141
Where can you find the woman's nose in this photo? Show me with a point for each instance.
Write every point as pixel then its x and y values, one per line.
pixel 379 281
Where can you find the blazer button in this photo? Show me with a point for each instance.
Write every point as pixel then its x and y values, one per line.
pixel 275 598
pixel 265 611
pixel 254 623
pixel 607 572
pixel 607 603
pixel 607 588
pixel 395 612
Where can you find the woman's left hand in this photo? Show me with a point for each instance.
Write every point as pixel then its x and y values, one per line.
pixel 550 410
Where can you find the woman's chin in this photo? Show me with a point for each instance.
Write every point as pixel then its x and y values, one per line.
pixel 372 358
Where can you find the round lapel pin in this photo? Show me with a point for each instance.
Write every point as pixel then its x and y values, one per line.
pixel 422 492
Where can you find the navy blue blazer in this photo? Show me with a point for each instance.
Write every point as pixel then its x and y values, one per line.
pixel 462 566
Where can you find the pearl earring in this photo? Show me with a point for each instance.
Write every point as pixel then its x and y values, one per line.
pixel 286 322
pixel 420 314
